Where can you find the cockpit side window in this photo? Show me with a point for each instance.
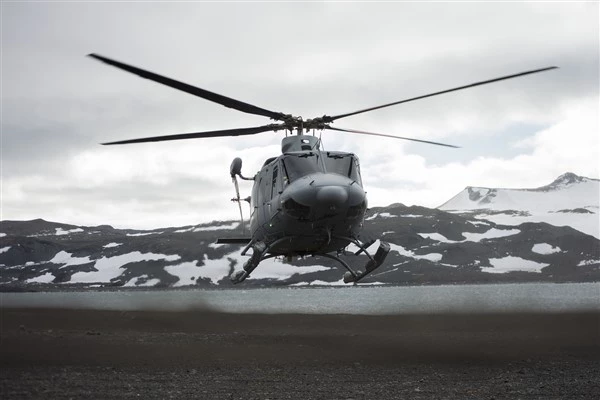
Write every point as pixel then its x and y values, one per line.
pixel 355 175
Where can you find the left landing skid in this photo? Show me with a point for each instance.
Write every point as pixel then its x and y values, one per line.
pixel 258 251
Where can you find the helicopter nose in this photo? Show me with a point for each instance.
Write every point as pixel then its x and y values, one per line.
pixel 332 196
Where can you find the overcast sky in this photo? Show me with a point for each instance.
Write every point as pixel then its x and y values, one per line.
pixel 306 59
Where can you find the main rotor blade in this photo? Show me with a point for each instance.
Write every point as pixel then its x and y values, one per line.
pixel 331 119
pixel 391 136
pixel 196 91
pixel 196 135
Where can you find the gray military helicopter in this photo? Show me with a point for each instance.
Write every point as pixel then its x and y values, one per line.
pixel 306 201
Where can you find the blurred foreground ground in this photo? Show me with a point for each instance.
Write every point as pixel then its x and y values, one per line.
pixel 54 353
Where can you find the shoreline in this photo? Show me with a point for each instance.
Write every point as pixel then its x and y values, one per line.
pixel 51 288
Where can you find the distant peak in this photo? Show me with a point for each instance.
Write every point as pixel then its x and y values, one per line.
pixel 568 178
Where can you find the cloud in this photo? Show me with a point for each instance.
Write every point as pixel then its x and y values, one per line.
pixel 572 144
pixel 308 59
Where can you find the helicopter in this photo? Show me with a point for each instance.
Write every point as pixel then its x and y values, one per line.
pixel 306 201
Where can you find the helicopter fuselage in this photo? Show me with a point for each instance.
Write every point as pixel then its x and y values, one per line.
pixel 307 201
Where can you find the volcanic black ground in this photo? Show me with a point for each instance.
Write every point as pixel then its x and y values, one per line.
pixel 64 354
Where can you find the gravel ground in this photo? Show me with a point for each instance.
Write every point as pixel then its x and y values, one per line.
pixel 63 354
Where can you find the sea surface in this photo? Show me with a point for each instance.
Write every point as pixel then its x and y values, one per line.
pixel 547 297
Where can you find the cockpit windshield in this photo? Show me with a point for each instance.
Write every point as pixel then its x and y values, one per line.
pixel 296 166
pixel 345 164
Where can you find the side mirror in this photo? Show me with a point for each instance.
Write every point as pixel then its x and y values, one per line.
pixel 236 167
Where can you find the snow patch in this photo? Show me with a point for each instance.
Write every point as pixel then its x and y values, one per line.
pixel 219 269
pixel 2 234
pixel 490 234
pixel 46 278
pixel 433 257
pixel 472 236
pixel 545 248
pixel 438 237
pixel 188 270
pixel 62 257
pixel 142 281
pixel 510 263
pixel 4 249
pixel 585 263
pixel 274 269
pixel 320 283
pixel 111 267
pixel 479 223
pixel 149 283
pixel 110 245
pixel 335 283
pixel 144 233
pixel 233 225
pixel 382 215
pixel 61 231
pixel 586 223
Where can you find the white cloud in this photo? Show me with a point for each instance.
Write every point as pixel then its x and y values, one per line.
pixel 53 167
pixel 572 144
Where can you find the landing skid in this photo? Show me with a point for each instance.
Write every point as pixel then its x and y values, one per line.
pixel 259 249
pixel 372 264
pixel 260 252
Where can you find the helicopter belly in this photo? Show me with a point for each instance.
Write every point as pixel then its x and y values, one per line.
pixel 290 235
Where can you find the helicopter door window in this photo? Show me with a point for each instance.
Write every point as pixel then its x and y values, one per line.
pixel 274 182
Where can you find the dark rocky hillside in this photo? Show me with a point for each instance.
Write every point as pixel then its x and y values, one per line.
pixel 429 246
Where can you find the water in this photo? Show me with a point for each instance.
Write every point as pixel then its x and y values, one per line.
pixel 539 297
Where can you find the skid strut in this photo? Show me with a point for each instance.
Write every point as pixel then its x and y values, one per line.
pixel 372 264
pixel 259 253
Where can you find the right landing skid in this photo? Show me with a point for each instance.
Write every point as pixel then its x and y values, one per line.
pixel 372 264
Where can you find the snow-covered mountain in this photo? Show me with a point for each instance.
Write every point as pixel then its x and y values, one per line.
pixel 570 200
pixel 428 246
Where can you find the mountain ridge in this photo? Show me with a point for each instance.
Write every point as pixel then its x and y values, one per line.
pixel 428 246
pixel 570 200
pixel 565 179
